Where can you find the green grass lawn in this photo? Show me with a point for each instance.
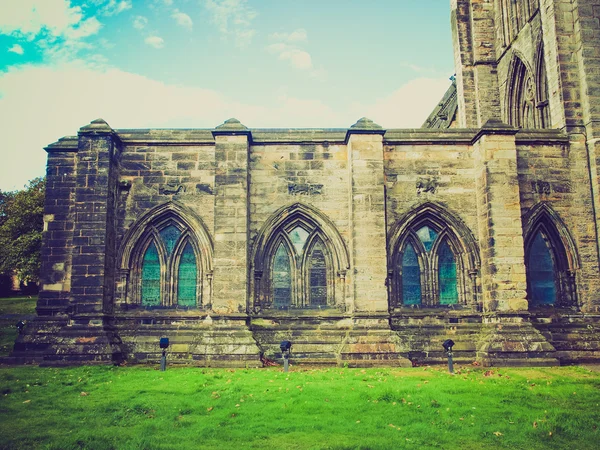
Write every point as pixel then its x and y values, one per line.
pixel 336 408
pixel 18 307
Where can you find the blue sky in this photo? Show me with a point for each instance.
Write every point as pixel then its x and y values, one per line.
pixel 196 63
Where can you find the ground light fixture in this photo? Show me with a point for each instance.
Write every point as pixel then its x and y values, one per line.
pixel 286 348
pixel 164 344
pixel 448 344
pixel 20 326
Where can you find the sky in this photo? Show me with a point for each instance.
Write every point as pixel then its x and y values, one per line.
pixel 197 63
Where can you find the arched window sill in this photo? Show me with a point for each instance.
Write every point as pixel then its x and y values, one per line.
pixel 438 310
pixel 153 310
pixel 329 311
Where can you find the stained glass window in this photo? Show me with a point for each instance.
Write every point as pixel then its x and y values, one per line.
pixel 282 279
pixel 169 236
pixel 318 276
pixel 540 272
pixel 151 277
pixel 298 237
pixel 187 277
pixel 447 275
pixel 427 237
pixel 411 277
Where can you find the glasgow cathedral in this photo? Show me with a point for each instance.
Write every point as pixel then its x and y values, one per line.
pixel 361 246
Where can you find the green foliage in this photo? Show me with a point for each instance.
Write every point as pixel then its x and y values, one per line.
pixel 327 408
pixel 19 308
pixel 21 223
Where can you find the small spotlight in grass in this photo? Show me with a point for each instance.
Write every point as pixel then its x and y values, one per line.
pixel 164 344
pixel 20 326
pixel 286 348
pixel 448 344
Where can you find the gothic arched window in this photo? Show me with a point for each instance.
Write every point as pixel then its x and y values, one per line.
pixel 541 272
pixel 433 260
pixel 549 259
pixel 542 98
pixel 299 259
pixel 165 261
pixel 426 268
pixel 521 94
pixel 300 270
pixel 169 266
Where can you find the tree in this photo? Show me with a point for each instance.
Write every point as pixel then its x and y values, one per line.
pixel 21 223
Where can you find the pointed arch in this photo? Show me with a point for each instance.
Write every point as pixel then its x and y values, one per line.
pixel 318 259
pixel 520 94
pixel 185 253
pixel 175 213
pixel 309 217
pixel 542 221
pixel 543 215
pixel 541 88
pixel 441 242
pixel 433 213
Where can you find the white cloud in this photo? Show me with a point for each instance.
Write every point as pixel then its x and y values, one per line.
pixel 113 7
pixel 297 58
pixel 298 35
pixel 409 106
pixel 155 41
pixel 29 17
pixel 140 22
pixel 73 94
pixel 182 19
pixel 83 29
pixel 233 17
pixel 56 27
pixel 16 48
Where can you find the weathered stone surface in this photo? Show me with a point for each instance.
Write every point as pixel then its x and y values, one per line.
pixel 484 186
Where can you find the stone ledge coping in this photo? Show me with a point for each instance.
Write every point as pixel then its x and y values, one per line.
pixel 541 137
pixel 258 136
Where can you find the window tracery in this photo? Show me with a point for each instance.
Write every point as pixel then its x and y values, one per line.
pixel 300 261
pixel 166 260
pixel 528 94
pixel 434 260
pixel 550 259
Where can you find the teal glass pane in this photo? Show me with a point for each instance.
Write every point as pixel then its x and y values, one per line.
pixel 411 277
pixel 187 278
pixel 169 236
pixel 540 273
pixel 298 237
pixel 427 237
pixel 318 276
pixel 447 275
pixel 282 279
pixel 151 277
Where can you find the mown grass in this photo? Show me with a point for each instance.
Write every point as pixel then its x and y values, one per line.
pixel 18 307
pixel 330 408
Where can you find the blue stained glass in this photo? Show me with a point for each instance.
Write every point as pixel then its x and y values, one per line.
pixel 427 237
pixel 187 278
pixel 411 277
pixel 447 275
pixel 282 278
pixel 298 237
pixel 318 276
pixel 169 236
pixel 540 273
pixel 151 277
